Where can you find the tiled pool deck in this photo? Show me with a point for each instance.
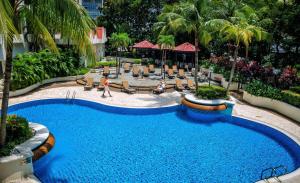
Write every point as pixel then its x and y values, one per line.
pixel 150 100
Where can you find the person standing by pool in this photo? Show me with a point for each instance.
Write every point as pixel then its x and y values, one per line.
pixel 106 87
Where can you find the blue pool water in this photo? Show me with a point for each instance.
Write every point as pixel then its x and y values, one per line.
pixel 95 145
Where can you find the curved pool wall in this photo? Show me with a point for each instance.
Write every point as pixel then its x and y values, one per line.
pixel 97 106
pixel 207 116
pixel 290 145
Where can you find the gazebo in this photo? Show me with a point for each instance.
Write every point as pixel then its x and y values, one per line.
pixel 144 45
pixel 185 48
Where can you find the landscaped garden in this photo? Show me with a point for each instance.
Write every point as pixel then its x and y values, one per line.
pixel 186 62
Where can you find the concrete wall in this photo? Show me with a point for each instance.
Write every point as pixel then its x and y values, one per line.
pixel 32 87
pixel 276 105
pixel 15 167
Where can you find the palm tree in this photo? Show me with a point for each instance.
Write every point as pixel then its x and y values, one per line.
pixel 42 19
pixel 165 42
pixel 119 41
pixel 187 16
pixel 239 32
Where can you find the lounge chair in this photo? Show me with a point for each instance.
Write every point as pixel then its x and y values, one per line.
pixel 101 84
pixel 126 67
pixel 190 85
pixel 106 71
pixel 166 68
pixel 181 74
pixel 179 85
pixel 89 84
pixel 146 72
pixel 151 68
pixel 135 71
pixel 171 74
pixel 126 88
pixel 175 69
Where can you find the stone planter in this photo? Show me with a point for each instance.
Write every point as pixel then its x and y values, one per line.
pixel 47 81
pixel 276 105
pixel 19 164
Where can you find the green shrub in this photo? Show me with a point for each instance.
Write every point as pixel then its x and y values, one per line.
pixel 295 89
pixel 211 92
pixel 83 71
pixel 18 131
pixel 30 68
pixel 258 88
pixel 107 63
pixel 137 61
pixel 291 97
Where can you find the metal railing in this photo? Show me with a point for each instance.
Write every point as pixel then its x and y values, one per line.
pixel 274 172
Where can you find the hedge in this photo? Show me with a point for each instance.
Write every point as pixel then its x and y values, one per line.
pixel 211 92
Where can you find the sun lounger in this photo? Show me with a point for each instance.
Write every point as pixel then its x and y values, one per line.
pixel 151 68
pixel 101 84
pixel 181 74
pixel 146 72
pixel 190 85
pixel 175 69
pixel 126 67
pixel 171 74
pixel 179 85
pixel 106 71
pixel 135 71
pixel 89 84
pixel 126 88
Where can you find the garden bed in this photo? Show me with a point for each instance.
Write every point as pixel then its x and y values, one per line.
pixel 276 105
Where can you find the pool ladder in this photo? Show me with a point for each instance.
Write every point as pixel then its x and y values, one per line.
pixel 68 95
pixel 274 173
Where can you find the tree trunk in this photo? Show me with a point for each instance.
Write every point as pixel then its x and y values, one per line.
pixel 196 62
pixel 5 97
pixel 247 53
pixel 162 62
pixel 117 64
pixel 233 68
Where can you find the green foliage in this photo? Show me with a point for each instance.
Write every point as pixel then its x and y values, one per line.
pixel 18 131
pixel 137 61
pixel 30 68
pixel 106 63
pixel 258 88
pixel 291 97
pixel 83 71
pixel 211 92
pixel 295 89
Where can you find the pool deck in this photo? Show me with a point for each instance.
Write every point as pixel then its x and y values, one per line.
pixel 241 109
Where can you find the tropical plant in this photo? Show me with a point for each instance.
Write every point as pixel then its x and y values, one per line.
pixel 238 32
pixel 31 68
pixel 18 131
pixel 41 19
pixel 120 42
pixel 165 42
pixel 211 92
pixel 187 17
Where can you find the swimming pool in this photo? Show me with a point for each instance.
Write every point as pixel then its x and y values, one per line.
pixel 98 143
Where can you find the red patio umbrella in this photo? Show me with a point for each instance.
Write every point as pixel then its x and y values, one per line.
pixel 143 45
pixel 185 47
